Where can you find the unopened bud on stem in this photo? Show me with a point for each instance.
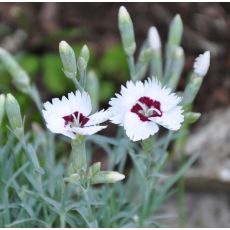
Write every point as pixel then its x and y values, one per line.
pixel 107 177
pixel 83 58
pixel 154 38
pixel 175 31
pixel 92 87
pixel 20 78
pixel 14 115
pixel 202 63
pixel 68 59
pixel 126 30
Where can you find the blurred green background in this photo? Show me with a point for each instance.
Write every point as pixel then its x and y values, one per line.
pixel 32 32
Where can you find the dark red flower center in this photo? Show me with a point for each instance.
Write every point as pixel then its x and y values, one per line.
pixel 146 108
pixel 70 119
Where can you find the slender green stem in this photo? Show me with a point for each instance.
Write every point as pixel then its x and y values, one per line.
pixel 34 94
pixel 181 197
pixel 147 146
pixel 62 211
pixel 91 218
pixel 132 69
pixel 181 186
pixel 77 84
pixel 78 161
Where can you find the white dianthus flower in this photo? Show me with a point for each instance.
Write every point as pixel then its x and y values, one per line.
pixel 202 63
pixel 70 116
pixel 140 107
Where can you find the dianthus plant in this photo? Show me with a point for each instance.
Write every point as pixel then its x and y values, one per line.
pixel 40 189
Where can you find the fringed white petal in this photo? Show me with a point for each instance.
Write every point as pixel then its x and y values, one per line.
pixel 136 129
pixel 154 90
pixel 78 102
pixel 88 130
pixel 171 119
pixel 125 100
pixel 98 117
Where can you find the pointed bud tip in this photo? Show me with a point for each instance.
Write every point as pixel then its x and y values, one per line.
pixel 123 13
pixel 179 52
pixel 122 10
pixel 115 176
pixel 85 52
pixel 10 97
pixel 202 63
pixel 154 38
pixel 63 45
pixel 2 97
pixel 178 18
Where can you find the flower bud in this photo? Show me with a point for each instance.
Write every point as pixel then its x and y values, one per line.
pixel 14 115
pixel 192 89
pixel 20 78
pixel 154 38
pixel 2 107
pixel 94 169
pixel 73 178
pixel 126 30
pixel 177 67
pixel 92 87
pixel 175 31
pixel 202 63
pixel 83 58
pixel 191 117
pixel 68 59
pixel 201 66
pixel 107 177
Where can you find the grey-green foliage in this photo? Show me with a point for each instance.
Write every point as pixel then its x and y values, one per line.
pixel 39 190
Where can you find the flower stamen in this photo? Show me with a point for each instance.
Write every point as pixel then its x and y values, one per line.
pixel 147 108
pixel 75 119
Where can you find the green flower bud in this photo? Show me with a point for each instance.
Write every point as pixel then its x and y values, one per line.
pixel 20 77
pixel 73 178
pixel 68 59
pixel 126 30
pixel 175 31
pixel 174 40
pixel 14 115
pixel 192 117
pixel 83 58
pixel 177 67
pixel 92 87
pixel 192 89
pixel 2 107
pixel 107 177
pixel 94 169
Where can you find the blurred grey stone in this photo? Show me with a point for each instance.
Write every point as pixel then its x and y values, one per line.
pixel 207 197
pixel 212 141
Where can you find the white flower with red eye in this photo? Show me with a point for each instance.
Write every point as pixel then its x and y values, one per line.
pixel 140 107
pixel 70 116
